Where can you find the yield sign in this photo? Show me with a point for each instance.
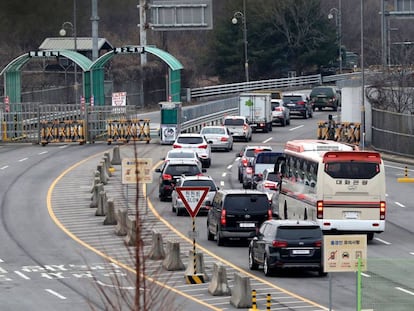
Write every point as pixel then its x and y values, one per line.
pixel 192 198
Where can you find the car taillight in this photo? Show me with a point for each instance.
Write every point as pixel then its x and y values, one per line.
pixel 319 209
pixel 203 146
pixel 269 185
pixel 249 170
pixel 278 109
pixel 244 161
pixel 167 177
pixel 176 146
pixel 223 217
pixel 301 103
pixel 383 208
pixel 269 214
pixel 277 243
pixel 317 244
pixel 244 127
pixel 224 139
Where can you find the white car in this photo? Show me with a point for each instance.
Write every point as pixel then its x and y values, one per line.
pixel 197 143
pixel 219 136
pixel 238 127
pixel 193 181
pixel 182 154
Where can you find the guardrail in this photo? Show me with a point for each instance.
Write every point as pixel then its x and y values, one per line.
pixel 284 83
pixel 195 125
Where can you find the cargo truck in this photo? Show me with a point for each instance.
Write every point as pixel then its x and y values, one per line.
pixel 257 108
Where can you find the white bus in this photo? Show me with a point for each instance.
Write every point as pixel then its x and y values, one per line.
pixel 335 184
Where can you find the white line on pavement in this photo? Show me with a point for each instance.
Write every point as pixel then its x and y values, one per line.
pixel 54 293
pixel 295 128
pixel 24 159
pixel 382 241
pixel 399 204
pixel 267 140
pixel 405 291
pixel 23 276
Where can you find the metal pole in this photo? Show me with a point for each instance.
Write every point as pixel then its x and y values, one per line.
pixel 383 36
pixel 362 78
pixel 246 59
pixel 76 49
pixel 95 21
pixel 340 34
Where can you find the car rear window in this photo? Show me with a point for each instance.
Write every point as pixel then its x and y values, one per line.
pixel 200 183
pixel 292 98
pixel 299 233
pixel 233 122
pixel 190 140
pixel 273 177
pixel 176 170
pixel 215 130
pixel 322 91
pixel 252 152
pixel 180 155
pixel 246 202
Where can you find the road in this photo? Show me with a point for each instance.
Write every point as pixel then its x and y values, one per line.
pixel 41 266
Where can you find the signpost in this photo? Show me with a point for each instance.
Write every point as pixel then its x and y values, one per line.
pixel 192 198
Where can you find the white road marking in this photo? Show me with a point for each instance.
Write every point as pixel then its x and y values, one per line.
pixel 405 291
pixel 224 174
pixel 116 286
pixel 24 159
pixel 366 275
pixel 56 294
pixel 64 146
pixel 412 253
pixel 4 167
pixel 295 128
pixel 382 241
pixel 222 183
pixel 229 167
pixel 267 140
pixel 1 260
pixel 399 204
pixel 43 152
pixel 23 276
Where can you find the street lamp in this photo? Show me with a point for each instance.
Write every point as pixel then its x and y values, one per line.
pixel 234 20
pixel 62 33
pixel 338 23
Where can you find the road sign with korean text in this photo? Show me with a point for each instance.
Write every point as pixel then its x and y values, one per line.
pixel 136 170
pixel 192 198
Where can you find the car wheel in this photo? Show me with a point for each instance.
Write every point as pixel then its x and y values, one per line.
pixel 178 211
pixel 219 239
pixel 266 269
pixel 321 272
pixel 305 116
pixel 252 264
pixel 210 236
pixel 370 236
pixel 240 177
pixel 283 122
pixel 288 121
pixel 173 208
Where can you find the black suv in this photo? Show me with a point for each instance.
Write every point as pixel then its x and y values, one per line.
pixel 236 214
pixel 287 244
pixel 325 97
pixel 170 173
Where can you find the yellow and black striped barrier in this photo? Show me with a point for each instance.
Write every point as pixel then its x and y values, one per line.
pixel 405 178
pixel 348 132
pixel 62 131
pixel 125 130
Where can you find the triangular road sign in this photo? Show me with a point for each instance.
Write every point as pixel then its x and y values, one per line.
pixel 192 198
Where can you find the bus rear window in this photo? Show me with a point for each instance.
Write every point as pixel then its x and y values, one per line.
pixel 352 170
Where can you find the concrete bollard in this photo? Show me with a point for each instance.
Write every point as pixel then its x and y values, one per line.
pixel 96 180
pixel 110 218
pixel 116 156
pixel 102 173
pixel 198 269
pixel 157 248
pixel 172 261
pixel 107 162
pixel 121 221
pixel 219 285
pixel 241 291
pixel 131 237
pixel 95 196
pixel 102 204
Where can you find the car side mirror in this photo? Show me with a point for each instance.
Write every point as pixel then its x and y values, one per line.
pixel 158 170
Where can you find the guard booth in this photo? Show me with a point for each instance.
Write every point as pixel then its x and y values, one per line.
pixel 170 125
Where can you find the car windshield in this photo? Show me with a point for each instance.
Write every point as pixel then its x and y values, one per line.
pixel 248 202
pixel 299 233
pixel 181 169
pixel 200 183
pixel 213 130
pixel 190 140
pixel 234 122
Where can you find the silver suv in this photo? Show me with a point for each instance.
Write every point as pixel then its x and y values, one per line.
pixel 197 143
pixel 238 127
pixel 193 181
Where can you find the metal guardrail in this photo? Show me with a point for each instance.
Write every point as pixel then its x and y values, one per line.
pixel 195 125
pixel 284 83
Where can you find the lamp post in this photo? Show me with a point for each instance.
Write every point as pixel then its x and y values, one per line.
pixel 234 20
pixel 338 23
pixel 62 33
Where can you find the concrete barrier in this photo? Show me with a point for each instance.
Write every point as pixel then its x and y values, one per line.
pixel 172 261
pixel 102 204
pixel 157 249
pixel 196 265
pixel 131 236
pixel 116 156
pixel 96 180
pixel 121 216
pixel 218 285
pixel 103 175
pixel 95 196
pixel 107 161
pixel 241 292
pixel 110 218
